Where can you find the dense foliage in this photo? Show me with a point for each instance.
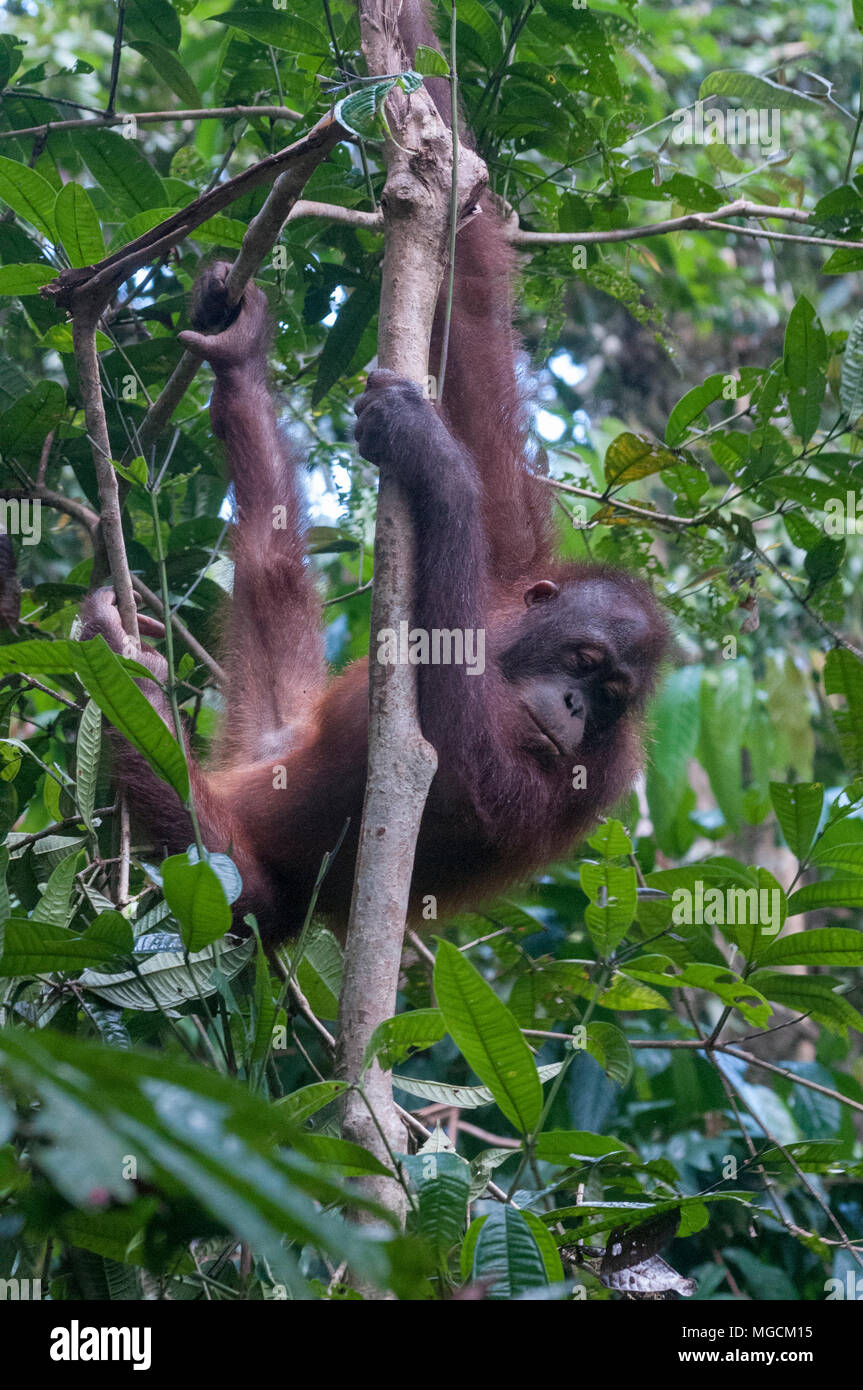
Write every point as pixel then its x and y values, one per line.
pixel 589 1049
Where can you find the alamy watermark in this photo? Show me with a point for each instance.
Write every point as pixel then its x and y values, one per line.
pixel 693 125
pixel 438 646
pixel 22 517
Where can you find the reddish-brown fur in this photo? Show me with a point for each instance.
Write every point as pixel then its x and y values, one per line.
pixel 497 811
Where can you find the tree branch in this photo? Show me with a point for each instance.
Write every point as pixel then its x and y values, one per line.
pixel 202 113
pixel 401 765
pixel 95 284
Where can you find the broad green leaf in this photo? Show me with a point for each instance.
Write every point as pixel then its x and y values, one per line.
pixel 153 20
pixel 547 1248
pixel 465 1097
pixel 805 360
pixel 25 279
pixel 114 692
pixel 395 1038
pixel 53 906
pixel 344 338
pixel 362 112
pixel 612 890
pixel 197 899
pixel 675 724
pixel 78 225
pixel 263 1019
pixel 28 195
pixel 506 1252
pixel 819 946
pixel 118 165
pixel 87 748
pixel 44 948
pixel 25 424
pixel 833 892
pixel 442 1182
pixel 319 973
pixel 165 980
pixel 628 995
pixel 851 380
pixel 692 406
pixel 728 987
pixel 570 1147
pixel 798 810
pixel 430 62
pixel 633 456
pixel 98 1104
pixel 810 994
pixel 488 1037
pixel 758 92
pixel 168 67
pixel 843 675
pixel 610 1048
pixel 352 1159
pixel 611 840
pixel 300 1105
pixel 279 28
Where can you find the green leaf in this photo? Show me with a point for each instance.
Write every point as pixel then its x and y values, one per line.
pixel 798 810
pixel 280 29
pixel 506 1252
pixel 631 995
pixel 25 424
pixel 819 946
pixel 728 987
pixel 851 379
pixel 633 456
pixel 221 231
pixel 197 900
pixel 155 21
pixel 613 901
pixel 833 892
pixel 488 1037
pixel 547 1248
pixel 308 1100
pixel 28 195
pixel 118 165
pixel 843 675
pixel 87 749
pixel 610 1048
pixel 568 1148
pixel 319 973
pixel 114 692
pixel 44 948
pixel 675 725
pixel 395 1038
pixel 343 339
pixel 167 67
pixel 805 358
pixel 164 979
pixel 190 1130
pixel 78 225
pixel 810 994
pixel 430 62
pixel 25 279
pixel 692 406
pixel 465 1097
pixel 263 1018
pixel 442 1182
pixel 758 92
pixel 352 1159
pixel 53 906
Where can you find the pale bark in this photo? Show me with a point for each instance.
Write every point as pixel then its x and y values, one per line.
pixel 415 205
